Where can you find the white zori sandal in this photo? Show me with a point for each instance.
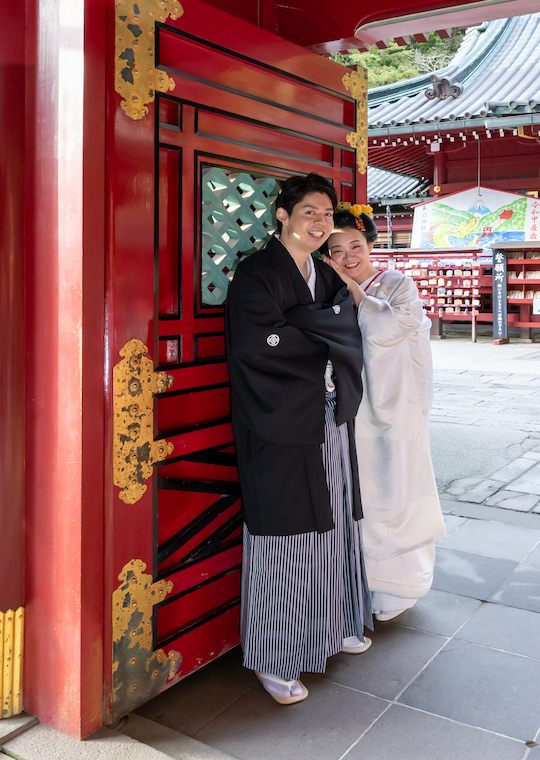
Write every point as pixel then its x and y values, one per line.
pixel 284 692
pixel 384 616
pixel 353 645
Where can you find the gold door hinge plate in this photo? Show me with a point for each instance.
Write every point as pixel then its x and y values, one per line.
pixel 135 78
pixel 357 84
pixel 135 451
pixel 139 672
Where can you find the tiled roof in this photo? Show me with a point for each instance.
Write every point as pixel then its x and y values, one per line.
pixel 496 71
pixel 384 186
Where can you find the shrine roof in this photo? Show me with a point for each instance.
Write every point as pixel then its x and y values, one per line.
pixel 495 73
pixel 389 187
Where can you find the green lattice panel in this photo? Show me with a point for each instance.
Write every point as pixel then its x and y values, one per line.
pixel 237 219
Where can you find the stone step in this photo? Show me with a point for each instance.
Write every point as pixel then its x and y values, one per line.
pixel 167 741
pixel 16 725
pixel 45 743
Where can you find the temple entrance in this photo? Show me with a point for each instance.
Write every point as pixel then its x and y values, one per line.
pixel 193 178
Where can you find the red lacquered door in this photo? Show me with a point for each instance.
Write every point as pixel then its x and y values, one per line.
pixel 191 187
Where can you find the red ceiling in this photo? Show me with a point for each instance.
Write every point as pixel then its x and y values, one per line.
pixel 412 159
pixel 331 26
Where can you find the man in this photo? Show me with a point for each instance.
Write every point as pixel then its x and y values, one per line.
pixel 295 358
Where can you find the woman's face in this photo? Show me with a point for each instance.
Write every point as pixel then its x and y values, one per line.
pixel 349 249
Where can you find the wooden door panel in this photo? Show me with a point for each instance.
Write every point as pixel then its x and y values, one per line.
pixel 218 126
pixel 197 498
pixel 203 643
pixel 185 409
pixel 170 159
pixel 236 76
pixel 263 113
pixel 192 189
pixel 175 617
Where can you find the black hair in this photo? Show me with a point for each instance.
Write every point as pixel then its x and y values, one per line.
pixel 295 189
pixel 344 219
pixel 363 223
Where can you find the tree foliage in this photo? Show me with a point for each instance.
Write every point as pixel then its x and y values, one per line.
pixel 397 62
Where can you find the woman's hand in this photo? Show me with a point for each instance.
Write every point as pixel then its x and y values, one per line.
pixel 357 294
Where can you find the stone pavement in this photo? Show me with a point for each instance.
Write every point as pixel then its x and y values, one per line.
pixel 485 423
pixel 458 676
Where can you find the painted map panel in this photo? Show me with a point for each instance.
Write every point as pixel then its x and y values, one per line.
pixel 475 218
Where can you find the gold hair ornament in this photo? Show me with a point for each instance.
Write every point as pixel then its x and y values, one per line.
pixel 355 209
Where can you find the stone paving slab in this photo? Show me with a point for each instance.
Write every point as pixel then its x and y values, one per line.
pixel 507 628
pixel 448 504
pixel 464 451
pixel 463 484
pixel 521 502
pixel 462 399
pixel 534 557
pixel 406 733
pixel 506 516
pixel 514 469
pixel 438 612
pixel 324 726
pixel 493 540
pixel 189 705
pixel 452 522
pixel 494 690
pixel 521 588
pixel 385 669
pixel 469 574
pixel 433 417
pixel 529 482
pixel 481 491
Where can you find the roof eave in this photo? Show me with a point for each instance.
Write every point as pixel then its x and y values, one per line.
pixel 492 122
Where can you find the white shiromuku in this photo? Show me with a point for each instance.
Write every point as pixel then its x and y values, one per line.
pixel 402 514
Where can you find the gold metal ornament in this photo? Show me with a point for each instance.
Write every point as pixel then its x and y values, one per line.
pixel 521 133
pixel 138 672
pixel 135 78
pixel 135 451
pixel 11 661
pixel 357 84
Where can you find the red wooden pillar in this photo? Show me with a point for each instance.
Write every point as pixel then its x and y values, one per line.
pixel 267 16
pixel 12 225
pixel 439 169
pixel 525 332
pixel 64 223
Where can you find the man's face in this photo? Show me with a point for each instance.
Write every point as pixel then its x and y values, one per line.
pixel 309 224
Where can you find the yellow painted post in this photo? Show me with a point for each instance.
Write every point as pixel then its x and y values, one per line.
pixel 1 663
pixel 18 649
pixel 7 696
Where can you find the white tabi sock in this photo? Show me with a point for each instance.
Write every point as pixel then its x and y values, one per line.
pixel 279 686
pixel 352 641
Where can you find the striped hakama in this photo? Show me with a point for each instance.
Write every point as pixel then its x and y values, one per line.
pixel 303 594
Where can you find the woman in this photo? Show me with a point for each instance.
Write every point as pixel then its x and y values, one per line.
pixel 304 594
pixel 403 519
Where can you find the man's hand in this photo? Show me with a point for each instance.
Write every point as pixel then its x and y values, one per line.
pixel 357 294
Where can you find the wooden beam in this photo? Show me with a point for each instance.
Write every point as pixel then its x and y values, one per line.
pixel 512 185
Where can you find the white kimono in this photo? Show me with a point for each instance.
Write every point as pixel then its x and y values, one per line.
pixel 402 515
